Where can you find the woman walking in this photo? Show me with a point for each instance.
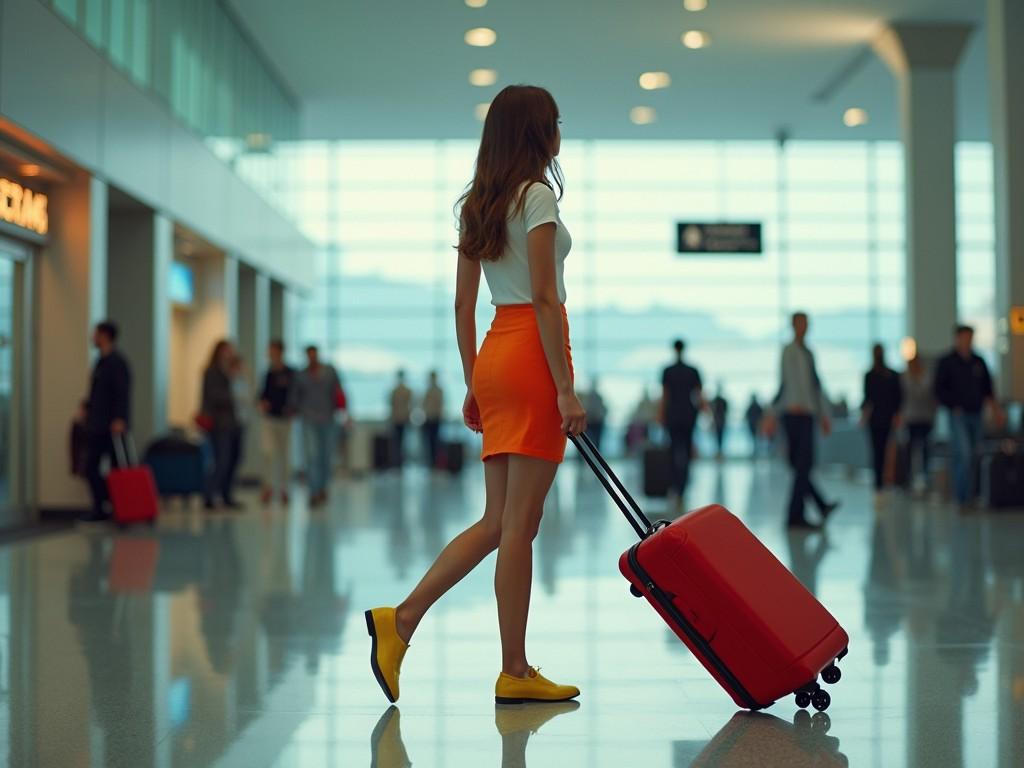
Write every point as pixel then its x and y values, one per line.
pixel 220 415
pixel 520 386
pixel 883 397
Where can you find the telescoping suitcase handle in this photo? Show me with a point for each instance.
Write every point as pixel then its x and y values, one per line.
pixel 626 503
pixel 124 450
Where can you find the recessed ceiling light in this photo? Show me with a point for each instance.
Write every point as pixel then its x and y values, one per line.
pixel 854 117
pixel 690 5
pixel 482 110
pixel 643 115
pixel 476 3
pixel 695 39
pixel 652 81
pixel 29 169
pixel 483 77
pixel 481 37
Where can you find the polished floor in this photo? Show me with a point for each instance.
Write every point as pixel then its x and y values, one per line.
pixel 239 640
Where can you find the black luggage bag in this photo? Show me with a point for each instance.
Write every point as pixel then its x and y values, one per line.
pixel 1002 477
pixel 657 463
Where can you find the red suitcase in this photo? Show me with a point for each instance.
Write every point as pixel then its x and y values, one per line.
pixel 132 489
pixel 752 624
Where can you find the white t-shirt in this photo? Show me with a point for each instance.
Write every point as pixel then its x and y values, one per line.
pixel 509 277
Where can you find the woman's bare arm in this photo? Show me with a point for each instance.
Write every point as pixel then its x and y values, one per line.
pixel 540 245
pixel 467 288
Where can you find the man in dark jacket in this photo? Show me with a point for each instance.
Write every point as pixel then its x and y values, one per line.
pixel 964 386
pixel 681 402
pixel 107 412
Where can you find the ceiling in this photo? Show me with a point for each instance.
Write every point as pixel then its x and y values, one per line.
pixel 398 68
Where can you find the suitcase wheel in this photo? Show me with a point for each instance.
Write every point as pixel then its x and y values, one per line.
pixel 831 674
pixel 803 699
pixel 821 700
pixel 634 591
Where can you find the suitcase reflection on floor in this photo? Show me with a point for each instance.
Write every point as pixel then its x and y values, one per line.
pixel 755 738
pixel 515 723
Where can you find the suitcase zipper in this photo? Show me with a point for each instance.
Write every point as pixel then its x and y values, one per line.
pixel 691 632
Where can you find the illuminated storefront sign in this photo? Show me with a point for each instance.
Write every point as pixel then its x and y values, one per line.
pixel 23 207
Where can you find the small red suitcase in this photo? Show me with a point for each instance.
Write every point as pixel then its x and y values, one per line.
pixel 132 489
pixel 752 624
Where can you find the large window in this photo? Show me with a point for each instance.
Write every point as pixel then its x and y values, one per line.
pixel 832 212
pixel 196 58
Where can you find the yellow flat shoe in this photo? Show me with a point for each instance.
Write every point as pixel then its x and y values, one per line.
pixel 533 687
pixel 387 650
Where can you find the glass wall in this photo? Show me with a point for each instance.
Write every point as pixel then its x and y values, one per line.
pixel 199 61
pixel 832 212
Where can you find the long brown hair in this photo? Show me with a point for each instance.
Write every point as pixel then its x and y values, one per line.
pixel 517 147
pixel 218 350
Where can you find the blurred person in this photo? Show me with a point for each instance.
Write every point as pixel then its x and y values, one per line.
pixel 241 389
pixel 880 411
pixel 801 400
pixel 638 433
pixel 520 386
pixel 433 415
pixel 220 410
pixel 918 413
pixel 400 404
pixel 753 416
pixel 681 402
pixel 597 412
pixel 106 413
pixel 719 416
pixel 276 427
pixel 315 396
pixel 964 387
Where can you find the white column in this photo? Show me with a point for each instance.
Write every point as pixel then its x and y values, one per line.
pixel 140 247
pixel 1006 75
pixel 923 58
pixel 231 294
pixel 70 284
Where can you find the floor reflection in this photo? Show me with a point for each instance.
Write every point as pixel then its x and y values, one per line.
pixel 226 640
pixel 754 738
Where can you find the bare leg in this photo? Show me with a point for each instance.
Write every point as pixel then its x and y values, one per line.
pixel 529 481
pixel 462 554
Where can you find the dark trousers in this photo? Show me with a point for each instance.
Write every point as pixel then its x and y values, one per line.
pixel 720 438
pixel 227 454
pixel 431 441
pixel 918 434
pixel 99 445
pixel 398 436
pixel 879 443
pixel 595 431
pixel 800 439
pixel 680 446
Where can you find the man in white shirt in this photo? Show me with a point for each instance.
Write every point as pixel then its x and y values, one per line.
pixel 401 412
pixel 433 413
pixel 801 399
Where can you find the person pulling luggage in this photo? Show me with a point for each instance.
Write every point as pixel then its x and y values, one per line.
pixel 106 413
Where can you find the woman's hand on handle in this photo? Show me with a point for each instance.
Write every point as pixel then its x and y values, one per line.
pixel 471 413
pixel 574 417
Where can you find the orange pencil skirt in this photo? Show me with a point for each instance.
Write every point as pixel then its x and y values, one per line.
pixel 514 389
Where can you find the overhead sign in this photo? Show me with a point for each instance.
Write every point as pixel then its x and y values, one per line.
pixel 22 207
pixel 694 237
pixel 1017 321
